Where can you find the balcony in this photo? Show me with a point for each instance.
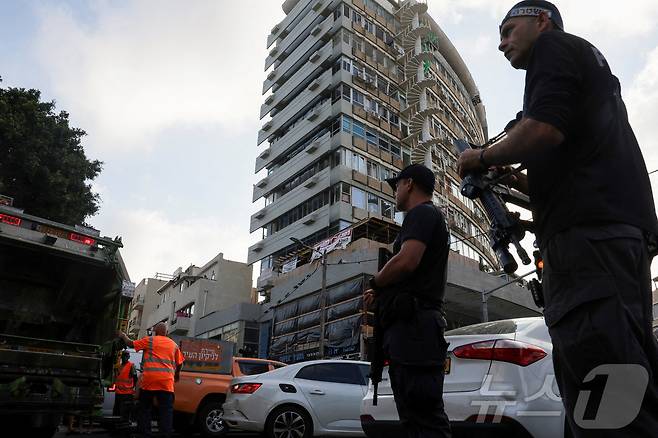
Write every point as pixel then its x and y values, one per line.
pixel 138 302
pixel 180 326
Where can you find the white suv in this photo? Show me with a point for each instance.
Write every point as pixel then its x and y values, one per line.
pixel 499 382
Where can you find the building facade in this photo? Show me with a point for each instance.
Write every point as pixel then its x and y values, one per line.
pixel 198 291
pixel 355 90
pixel 291 322
pixel 144 303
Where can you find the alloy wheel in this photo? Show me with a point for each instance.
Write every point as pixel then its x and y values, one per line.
pixel 289 424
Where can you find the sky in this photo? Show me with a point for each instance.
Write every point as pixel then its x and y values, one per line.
pixel 169 93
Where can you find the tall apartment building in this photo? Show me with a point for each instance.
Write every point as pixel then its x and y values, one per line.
pixel 356 90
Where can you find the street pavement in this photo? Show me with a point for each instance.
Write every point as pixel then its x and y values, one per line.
pixel 100 433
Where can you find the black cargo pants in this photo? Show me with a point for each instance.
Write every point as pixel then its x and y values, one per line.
pixel 597 288
pixel 417 350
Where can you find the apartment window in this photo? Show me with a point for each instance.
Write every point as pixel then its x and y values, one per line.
pixel 345 193
pixel 371 137
pixel 373 169
pixel 347 124
pixel 387 209
pixel 373 203
pixel 358 98
pixel 358 129
pixel 358 198
pixel 359 163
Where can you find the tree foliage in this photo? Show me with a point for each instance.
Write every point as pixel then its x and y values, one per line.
pixel 42 163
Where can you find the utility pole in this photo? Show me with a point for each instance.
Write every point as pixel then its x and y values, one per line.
pixel 323 302
pixel 323 292
pixel 485 294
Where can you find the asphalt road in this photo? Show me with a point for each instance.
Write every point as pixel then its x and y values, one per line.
pixel 99 433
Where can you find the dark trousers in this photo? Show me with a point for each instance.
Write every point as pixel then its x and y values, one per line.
pixel 418 394
pixel 122 406
pixel 597 289
pixel 165 412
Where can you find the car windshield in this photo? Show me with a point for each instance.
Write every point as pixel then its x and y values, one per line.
pixel 485 328
pixel 249 368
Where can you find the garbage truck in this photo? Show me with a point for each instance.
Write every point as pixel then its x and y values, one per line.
pixel 64 292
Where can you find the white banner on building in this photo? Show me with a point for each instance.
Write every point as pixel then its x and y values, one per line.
pixel 337 241
pixel 289 265
pixel 128 289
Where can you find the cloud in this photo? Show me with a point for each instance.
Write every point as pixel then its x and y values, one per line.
pixel 620 20
pixel 642 101
pixel 145 66
pixel 155 241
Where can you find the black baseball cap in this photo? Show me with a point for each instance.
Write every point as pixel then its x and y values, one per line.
pixel 532 8
pixel 419 173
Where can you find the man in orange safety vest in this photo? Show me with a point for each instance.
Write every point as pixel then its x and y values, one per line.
pixel 161 365
pixel 125 385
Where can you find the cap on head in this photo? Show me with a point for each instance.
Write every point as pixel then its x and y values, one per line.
pixel 420 174
pixel 532 8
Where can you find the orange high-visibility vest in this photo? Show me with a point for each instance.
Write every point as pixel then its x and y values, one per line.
pixel 159 362
pixel 125 384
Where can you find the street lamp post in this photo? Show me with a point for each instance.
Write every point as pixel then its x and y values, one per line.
pixel 323 292
pixel 485 294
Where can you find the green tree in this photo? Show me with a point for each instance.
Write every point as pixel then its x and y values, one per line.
pixel 42 163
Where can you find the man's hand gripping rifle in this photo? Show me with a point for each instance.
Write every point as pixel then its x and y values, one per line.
pixel 506 227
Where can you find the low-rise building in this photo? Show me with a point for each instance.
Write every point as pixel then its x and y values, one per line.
pixel 144 303
pixel 198 291
pixel 291 319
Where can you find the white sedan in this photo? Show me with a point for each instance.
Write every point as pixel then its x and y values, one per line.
pixel 302 400
pixel 499 382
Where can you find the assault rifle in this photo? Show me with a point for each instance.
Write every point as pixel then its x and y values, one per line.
pixel 506 228
pixel 377 357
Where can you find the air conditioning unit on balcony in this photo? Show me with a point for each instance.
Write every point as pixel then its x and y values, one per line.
pixel 315 56
pixel 265 154
pixel 258 247
pixel 311 182
pixel 316 30
pixel 312 147
pixel 267 126
pixel 262 183
pixel 314 114
pixel 269 99
pixel 274 51
pixel 311 218
pixel 275 29
pixel 260 214
pixel 317 5
pixel 315 84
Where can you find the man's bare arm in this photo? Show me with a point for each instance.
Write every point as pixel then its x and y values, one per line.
pixel 402 264
pixel 126 339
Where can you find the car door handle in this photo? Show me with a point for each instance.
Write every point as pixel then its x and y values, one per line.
pixel 317 391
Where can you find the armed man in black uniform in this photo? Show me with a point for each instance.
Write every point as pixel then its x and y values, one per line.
pixel 595 221
pixel 409 291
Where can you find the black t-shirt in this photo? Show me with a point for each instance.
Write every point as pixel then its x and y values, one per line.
pixel 426 224
pixel 597 175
